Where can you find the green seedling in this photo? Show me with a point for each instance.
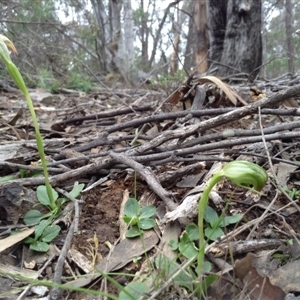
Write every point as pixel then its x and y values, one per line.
pixel 34 216
pixel 44 231
pixel 293 193
pixel 215 223
pixel 137 218
pixel 242 173
pixel 186 247
pixel 15 74
pixel 168 267
pixel 282 257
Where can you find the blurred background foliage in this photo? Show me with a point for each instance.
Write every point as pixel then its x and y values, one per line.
pixel 75 43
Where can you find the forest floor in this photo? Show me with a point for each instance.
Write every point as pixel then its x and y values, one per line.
pixel 161 150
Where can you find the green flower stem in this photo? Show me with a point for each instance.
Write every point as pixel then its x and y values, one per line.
pixel 201 211
pixel 17 77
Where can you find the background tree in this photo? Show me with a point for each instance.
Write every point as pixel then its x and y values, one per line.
pixel 289 35
pixel 235 36
pixel 69 43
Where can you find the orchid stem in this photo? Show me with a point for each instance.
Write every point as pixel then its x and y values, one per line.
pixel 18 79
pixel 201 211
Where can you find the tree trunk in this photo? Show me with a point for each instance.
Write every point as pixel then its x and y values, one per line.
pixel 176 43
pixel 201 33
pixel 144 32
pixel 238 42
pixel 191 42
pixel 216 14
pixel 289 35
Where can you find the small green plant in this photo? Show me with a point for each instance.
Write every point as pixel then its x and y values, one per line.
pixel 44 231
pixel 215 223
pixel 242 173
pixel 293 193
pixel 79 82
pixel 138 218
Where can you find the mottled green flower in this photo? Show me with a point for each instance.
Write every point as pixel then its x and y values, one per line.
pixel 245 174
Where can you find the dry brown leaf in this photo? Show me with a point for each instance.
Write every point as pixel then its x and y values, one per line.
pixel 14 239
pixel 229 92
pixel 258 287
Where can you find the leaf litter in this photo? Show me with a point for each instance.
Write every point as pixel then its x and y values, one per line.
pixel 96 140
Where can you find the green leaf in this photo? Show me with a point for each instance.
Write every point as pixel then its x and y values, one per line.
pixel 188 250
pixel 208 281
pixel 133 291
pixel 77 190
pixel 8 178
pixel 132 221
pixel 193 232
pixel 186 247
pixel 147 211
pixel 29 240
pixel 146 223
pixel 211 217
pixel 40 246
pixel 213 233
pixel 42 195
pixel 231 219
pixel 50 233
pixel 39 229
pixel 33 217
pixel 206 267
pixel 167 266
pixel 134 231
pixel 132 208
pixel 127 219
pixel 61 201
pixel 173 244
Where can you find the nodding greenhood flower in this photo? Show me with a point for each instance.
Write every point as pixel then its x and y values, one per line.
pixel 245 174
pixel 242 173
pixel 6 43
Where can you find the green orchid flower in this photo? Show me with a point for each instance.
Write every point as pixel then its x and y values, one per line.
pixel 245 174
pixel 242 173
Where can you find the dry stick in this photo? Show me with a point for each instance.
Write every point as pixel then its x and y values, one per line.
pixel 76 206
pixel 148 176
pixel 195 113
pixel 29 168
pixel 55 293
pixel 106 114
pixel 108 162
pixel 216 121
pixel 60 178
pixel 228 133
pixel 207 147
pixel 275 177
pixel 202 126
pixel 103 138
